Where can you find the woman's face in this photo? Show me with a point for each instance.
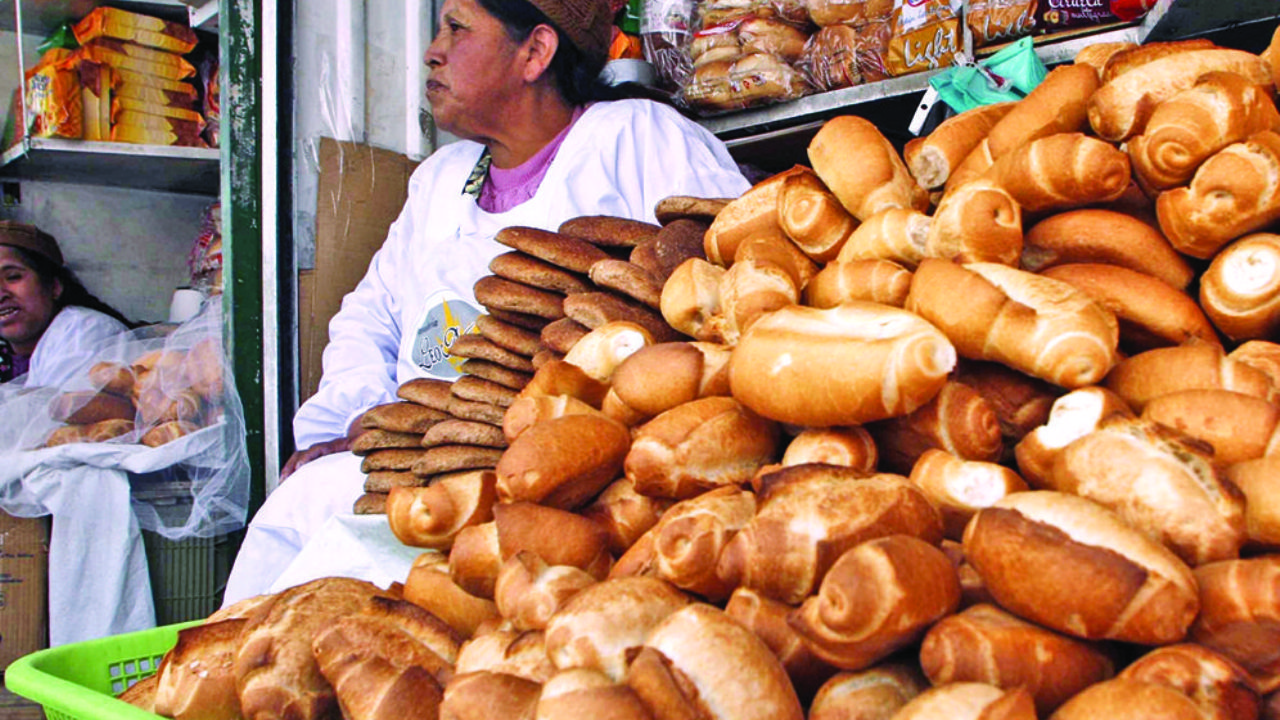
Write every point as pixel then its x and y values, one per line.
pixel 26 303
pixel 473 71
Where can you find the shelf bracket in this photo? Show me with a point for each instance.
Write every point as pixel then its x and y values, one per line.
pixel 203 15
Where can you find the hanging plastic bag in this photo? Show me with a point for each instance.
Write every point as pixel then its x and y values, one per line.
pixel 1007 75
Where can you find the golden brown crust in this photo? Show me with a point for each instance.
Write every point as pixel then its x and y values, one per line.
pixel 563 462
pixel 512 337
pixel 609 231
pixel 451 458
pixel 427 392
pixel 464 432
pixel 594 309
pixel 523 268
pixel 504 376
pixel 390 459
pixel 498 293
pixel 558 249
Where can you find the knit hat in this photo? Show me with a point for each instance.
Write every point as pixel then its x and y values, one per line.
pixel 588 23
pixel 29 237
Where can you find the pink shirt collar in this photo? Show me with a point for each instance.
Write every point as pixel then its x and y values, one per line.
pixel 505 189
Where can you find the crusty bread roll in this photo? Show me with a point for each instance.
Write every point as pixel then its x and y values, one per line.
pixel 596 628
pixel 969 701
pixel 878 281
pixel 1073 566
pixel 1261 355
pixel 659 377
pixel 1223 689
pixel 528 591
pixel 429 586
pixel 583 693
pixel 1056 105
pixel 625 514
pixel 1124 699
pixel 563 462
pixel 851 447
pixel 67 434
pixel 978 161
pixel 700 445
pixel 1240 292
pixel 863 168
pixel 1145 376
pixel 809 515
pixel 1042 327
pixel 1234 192
pixel 812 216
pixel 879 596
pixel 949 143
pixel 1240 615
pixel 760 282
pixel 276 673
pixel 112 377
pixel 754 214
pixel 1096 235
pixel 1021 402
pixel 979 221
pixel 1136 56
pixel 1185 130
pixel 600 351
pixel 767 618
pixel 1072 416
pixel 507 650
pixel 691 300
pixel 196 680
pixel 165 433
pixel 432 516
pixel 807 351
pixel 681 665
pixel 558 377
pixel 479 550
pixel 1237 426
pixel 897 234
pixel 489 696
pixel 685 544
pixel 873 694
pixel 1122 106
pixel 848 12
pixel 142 694
pixel 958 420
pixel 1151 313
pixel 959 488
pixel 1060 171
pixel 89 406
pixel 986 644
pixel 525 412
pixel 1097 54
pixel 1257 480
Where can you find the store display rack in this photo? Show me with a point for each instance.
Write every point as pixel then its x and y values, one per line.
pixel 142 167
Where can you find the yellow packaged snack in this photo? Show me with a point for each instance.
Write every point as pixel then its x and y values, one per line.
pixel 125 76
pixel 95 89
pixel 155 95
pixel 178 133
pixel 131 56
pixel 133 27
pixel 54 106
pixel 120 105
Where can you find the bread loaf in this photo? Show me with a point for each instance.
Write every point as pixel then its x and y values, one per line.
pixel 489 696
pixel 1239 611
pixel 807 351
pixel 1060 171
pixel 977 222
pixel 563 462
pixel 809 516
pixel 112 377
pixel 1151 313
pixel 874 694
pixel 1221 688
pixel 682 665
pixel 767 618
pixel 528 591
pixel 753 288
pixel 851 447
pixel 897 234
pixel 1135 56
pixel 525 412
pixel 1234 192
pixel 596 628
pixel 582 693
pixel 429 586
pixel 988 645
pixel 698 446
pixel 1036 325
pixel 879 596
pixel 959 488
pixel 1073 566
pixel 812 216
pixel 1097 54
pixel 754 214
pixel 958 420
pixel 878 281
pixel 507 650
pixel 432 516
pixel 863 168
pixel 949 143
pixel 1125 699
pixel 625 514
pixel 1072 416
pixel 659 377
pixel 1237 426
pixel 1185 130
pixel 1122 106
pixel 1148 375
pixel 196 679
pixel 1103 236
pixel 1021 403
pixel 691 300
pixel 88 407
pixel 970 701
pixel 1240 292
pixel 1256 479
pixel 599 352
pixel 1260 355
pixel 1056 105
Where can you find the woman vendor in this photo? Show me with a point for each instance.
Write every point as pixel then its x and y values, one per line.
pixel 49 322
pixel 517 80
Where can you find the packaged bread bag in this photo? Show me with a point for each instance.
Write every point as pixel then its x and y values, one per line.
pixel 926 35
pixel 995 21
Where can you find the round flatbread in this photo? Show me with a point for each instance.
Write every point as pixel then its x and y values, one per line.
pixel 371 440
pixel 477 389
pixel 494 372
pixel 427 392
pixel 499 293
pixel 563 334
pixel 451 458
pixel 465 432
pixel 597 308
pixel 608 231
pixel 628 279
pixel 545 356
pixel 478 411
pixel 508 336
pixel 381 481
pixel 522 268
pixel 406 417
pixel 560 250
pixel 391 459
pixel 472 345
pixel 370 503
pixel 679 240
pixel 528 322
pixel 679 207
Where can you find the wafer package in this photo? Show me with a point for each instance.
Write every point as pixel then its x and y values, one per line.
pixel 107 22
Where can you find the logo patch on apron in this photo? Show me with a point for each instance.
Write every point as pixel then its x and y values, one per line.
pixel 444 321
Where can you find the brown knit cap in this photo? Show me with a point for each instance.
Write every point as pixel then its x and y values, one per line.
pixel 29 237
pixel 588 23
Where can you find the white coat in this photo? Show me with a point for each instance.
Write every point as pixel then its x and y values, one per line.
pixel 74 337
pixel 620 158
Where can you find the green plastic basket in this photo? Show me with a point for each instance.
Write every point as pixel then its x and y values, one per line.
pixel 79 681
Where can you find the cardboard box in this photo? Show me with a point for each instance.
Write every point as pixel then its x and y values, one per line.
pixel 361 192
pixel 24 569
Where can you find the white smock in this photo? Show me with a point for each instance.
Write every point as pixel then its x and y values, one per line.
pixel 98 582
pixel 619 159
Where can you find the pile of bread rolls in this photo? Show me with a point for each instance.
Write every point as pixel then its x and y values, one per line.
pixel 958 435
pixel 159 397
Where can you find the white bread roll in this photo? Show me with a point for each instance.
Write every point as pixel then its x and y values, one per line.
pixel 1260 355
pixel 897 234
pixel 958 420
pixel 527 411
pixel 1042 327
pixel 691 644
pixel 809 515
pixel 754 214
pixel 1073 566
pixel 1097 235
pixel 791 365
pixel 874 694
pixel 558 377
pixel 812 216
pixel 528 591
pixel 1161 482
pixel 863 168
pixel 1240 615
pixel 432 516
pixel 878 281
pixel 698 446
pixel 1124 699
pixel 600 351
pixel 851 447
pixel 1021 402
pixel 1142 377
pixel 1222 688
pixel 507 650
pixel 969 701
pixel 979 221
pixel 659 377
pixel 583 693
pixel 960 488
pixel 1237 426
pixel 563 462
pixel 1240 292
pixel 489 696
pixel 753 288
pixel 690 300
pixel 949 143
pixel 879 596
pixel 1060 171
pixel 986 644
pixel 1257 480
pixel 429 586
pixel 625 514
pixel 1073 416
pixel 767 618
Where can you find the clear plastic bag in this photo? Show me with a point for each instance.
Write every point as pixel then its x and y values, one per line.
pixel 666 29
pixel 749 81
pixel 839 56
pixel 993 21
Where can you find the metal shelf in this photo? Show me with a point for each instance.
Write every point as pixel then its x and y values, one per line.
pixel 42 17
pixel 142 167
